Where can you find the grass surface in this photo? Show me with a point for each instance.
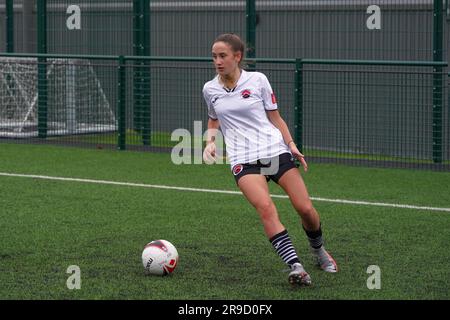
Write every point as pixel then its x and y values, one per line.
pixel 46 226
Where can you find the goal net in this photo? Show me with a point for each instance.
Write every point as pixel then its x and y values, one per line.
pixel 76 101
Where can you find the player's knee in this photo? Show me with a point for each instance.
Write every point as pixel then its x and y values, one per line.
pixel 266 209
pixel 306 210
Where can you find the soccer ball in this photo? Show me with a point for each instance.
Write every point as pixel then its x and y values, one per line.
pixel 159 257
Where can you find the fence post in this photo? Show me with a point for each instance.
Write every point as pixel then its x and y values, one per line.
pixel 298 107
pixel 42 68
pixel 121 104
pixel 146 110
pixel 437 80
pixel 9 25
pixel 137 73
pixel 251 32
pixel 141 82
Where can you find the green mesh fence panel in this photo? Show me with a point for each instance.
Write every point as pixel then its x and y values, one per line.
pixel 331 29
pixel 105 27
pixel 188 28
pixel 356 113
pixel 174 98
pixel 24 39
pixel 345 30
pixel 338 29
pixel 446 142
pixel 386 112
pixel 371 113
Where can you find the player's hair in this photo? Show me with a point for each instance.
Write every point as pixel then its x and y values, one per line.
pixel 235 42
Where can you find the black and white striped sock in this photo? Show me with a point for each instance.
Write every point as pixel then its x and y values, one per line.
pixel 283 245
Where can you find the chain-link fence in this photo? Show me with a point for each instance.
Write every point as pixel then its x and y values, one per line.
pixel 383 112
pixel 376 104
pixel 328 29
pixel 354 112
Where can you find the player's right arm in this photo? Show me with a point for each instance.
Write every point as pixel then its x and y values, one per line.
pixel 209 154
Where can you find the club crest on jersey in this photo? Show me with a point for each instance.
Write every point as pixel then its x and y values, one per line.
pixel 245 93
pixel 237 169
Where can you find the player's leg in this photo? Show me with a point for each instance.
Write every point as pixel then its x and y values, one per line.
pixel 255 189
pixel 292 183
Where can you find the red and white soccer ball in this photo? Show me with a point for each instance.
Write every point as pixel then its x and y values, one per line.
pixel 159 257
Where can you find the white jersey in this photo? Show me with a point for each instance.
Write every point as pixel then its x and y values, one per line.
pixel 248 132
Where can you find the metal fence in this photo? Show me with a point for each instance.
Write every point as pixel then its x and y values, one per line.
pixel 2 26
pixel 359 112
pixel 367 110
pixel 328 29
pixel 375 110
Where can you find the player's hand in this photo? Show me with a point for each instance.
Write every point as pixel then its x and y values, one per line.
pixel 209 154
pixel 298 155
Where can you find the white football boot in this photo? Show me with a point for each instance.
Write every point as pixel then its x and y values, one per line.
pixel 325 260
pixel 298 275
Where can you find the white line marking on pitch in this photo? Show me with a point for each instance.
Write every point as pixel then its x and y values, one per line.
pixel 156 186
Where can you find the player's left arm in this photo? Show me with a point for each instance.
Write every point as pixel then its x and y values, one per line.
pixel 275 117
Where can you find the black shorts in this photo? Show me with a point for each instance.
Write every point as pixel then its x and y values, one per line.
pixel 272 168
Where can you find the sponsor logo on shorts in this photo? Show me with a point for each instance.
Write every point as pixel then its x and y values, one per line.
pixel 237 169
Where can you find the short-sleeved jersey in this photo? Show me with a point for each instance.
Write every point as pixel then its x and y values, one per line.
pixel 248 132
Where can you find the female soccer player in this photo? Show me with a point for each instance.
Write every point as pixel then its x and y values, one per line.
pixel 260 148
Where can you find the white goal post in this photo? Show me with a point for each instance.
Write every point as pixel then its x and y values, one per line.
pixel 76 101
